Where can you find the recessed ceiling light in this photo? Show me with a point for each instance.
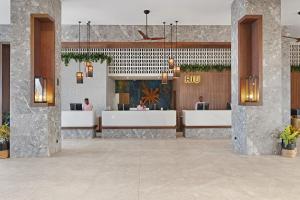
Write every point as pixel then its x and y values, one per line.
pixel 299 13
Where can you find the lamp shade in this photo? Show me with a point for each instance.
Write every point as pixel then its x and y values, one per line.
pixel 79 77
pixel 40 89
pixel 249 89
pixel 176 72
pixel 164 78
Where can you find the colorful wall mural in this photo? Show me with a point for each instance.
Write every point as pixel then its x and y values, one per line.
pixel 152 92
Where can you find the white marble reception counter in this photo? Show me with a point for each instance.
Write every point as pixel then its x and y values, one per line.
pixel 141 119
pixel 140 124
pixel 207 124
pixel 78 119
pixel 78 124
pixel 207 118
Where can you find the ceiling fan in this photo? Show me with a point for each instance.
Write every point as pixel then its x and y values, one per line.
pixel 145 36
pixel 297 39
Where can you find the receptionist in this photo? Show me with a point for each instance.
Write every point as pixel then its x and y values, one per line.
pixel 141 106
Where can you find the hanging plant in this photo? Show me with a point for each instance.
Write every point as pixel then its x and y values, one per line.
pixel 295 68
pixel 204 68
pixel 82 57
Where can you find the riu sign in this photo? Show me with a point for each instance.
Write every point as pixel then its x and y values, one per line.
pixel 192 79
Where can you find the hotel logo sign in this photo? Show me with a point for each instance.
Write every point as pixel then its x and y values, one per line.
pixel 192 79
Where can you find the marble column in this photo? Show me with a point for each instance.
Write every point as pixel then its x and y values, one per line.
pixel 256 128
pixel 35 131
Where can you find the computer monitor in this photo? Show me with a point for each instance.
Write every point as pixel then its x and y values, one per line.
pixel 126 106
pixel 203 106
pixel 295 112
pixel 123 106
pixel 72 106
pixel 78 106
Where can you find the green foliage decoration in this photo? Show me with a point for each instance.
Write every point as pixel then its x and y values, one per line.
pixel 4 133
pixel 6 118
pixel 203 68
pixel 295 68
pixel 289 135
pixel 83 57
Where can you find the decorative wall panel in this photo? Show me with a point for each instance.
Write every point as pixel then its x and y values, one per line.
pixel 150 61
pixel 150 91
pixel 295 55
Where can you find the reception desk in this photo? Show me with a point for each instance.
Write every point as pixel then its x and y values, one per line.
pixel 78 124
pixel 207 124
pixel 139 124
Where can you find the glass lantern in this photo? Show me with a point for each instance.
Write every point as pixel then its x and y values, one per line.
pixel 176 72
pixel 171 63
pixel 250 89
pixel 40 89
pixel 164 78
pixel 89 69
pixel 79 77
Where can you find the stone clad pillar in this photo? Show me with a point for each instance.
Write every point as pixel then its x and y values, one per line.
pixel 35 131
pixel 256 128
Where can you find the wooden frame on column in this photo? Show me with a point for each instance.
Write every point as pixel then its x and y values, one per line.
pixel 43 54
pixel 250 55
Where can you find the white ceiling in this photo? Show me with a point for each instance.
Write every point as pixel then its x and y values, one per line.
pixel 191 12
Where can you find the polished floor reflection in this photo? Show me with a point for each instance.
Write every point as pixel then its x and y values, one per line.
pixel 180 169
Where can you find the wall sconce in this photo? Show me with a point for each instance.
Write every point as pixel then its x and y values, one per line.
pixel 249 89
pixel 164 78
pixel 176 72
pixel 89 69
pixel 40 89
pixel 79 77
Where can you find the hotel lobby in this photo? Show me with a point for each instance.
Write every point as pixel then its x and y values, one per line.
pixel 149 100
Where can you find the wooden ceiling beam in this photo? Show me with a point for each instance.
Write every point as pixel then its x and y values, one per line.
pixel 148 45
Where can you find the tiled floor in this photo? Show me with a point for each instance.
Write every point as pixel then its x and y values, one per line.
pixel 179 169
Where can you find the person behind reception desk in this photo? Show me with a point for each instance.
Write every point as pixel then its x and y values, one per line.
pixel 201 105
pixel 141 106
pixel 87 106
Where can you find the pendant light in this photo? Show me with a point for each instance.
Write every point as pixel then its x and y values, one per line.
pixel 171 59
pixel 89 68
pixel 164 75
pixel 79 74
pixel 176 73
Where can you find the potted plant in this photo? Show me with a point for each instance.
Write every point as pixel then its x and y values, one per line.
pixel 4 141
pixel 289 137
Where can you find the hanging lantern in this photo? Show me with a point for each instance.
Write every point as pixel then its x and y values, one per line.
pixel 176 72
pixel 88 64
pixel 40 90
pixel 171 63
pixel 90 70
pixel 164 78
pixel 171 60
pixel 79 77
pixel 249 89
pixel 79 74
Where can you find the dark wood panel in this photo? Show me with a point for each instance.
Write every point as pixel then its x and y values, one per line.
pixel 148 44
pixel 215 87
pixel 295 90
pixel 5 78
